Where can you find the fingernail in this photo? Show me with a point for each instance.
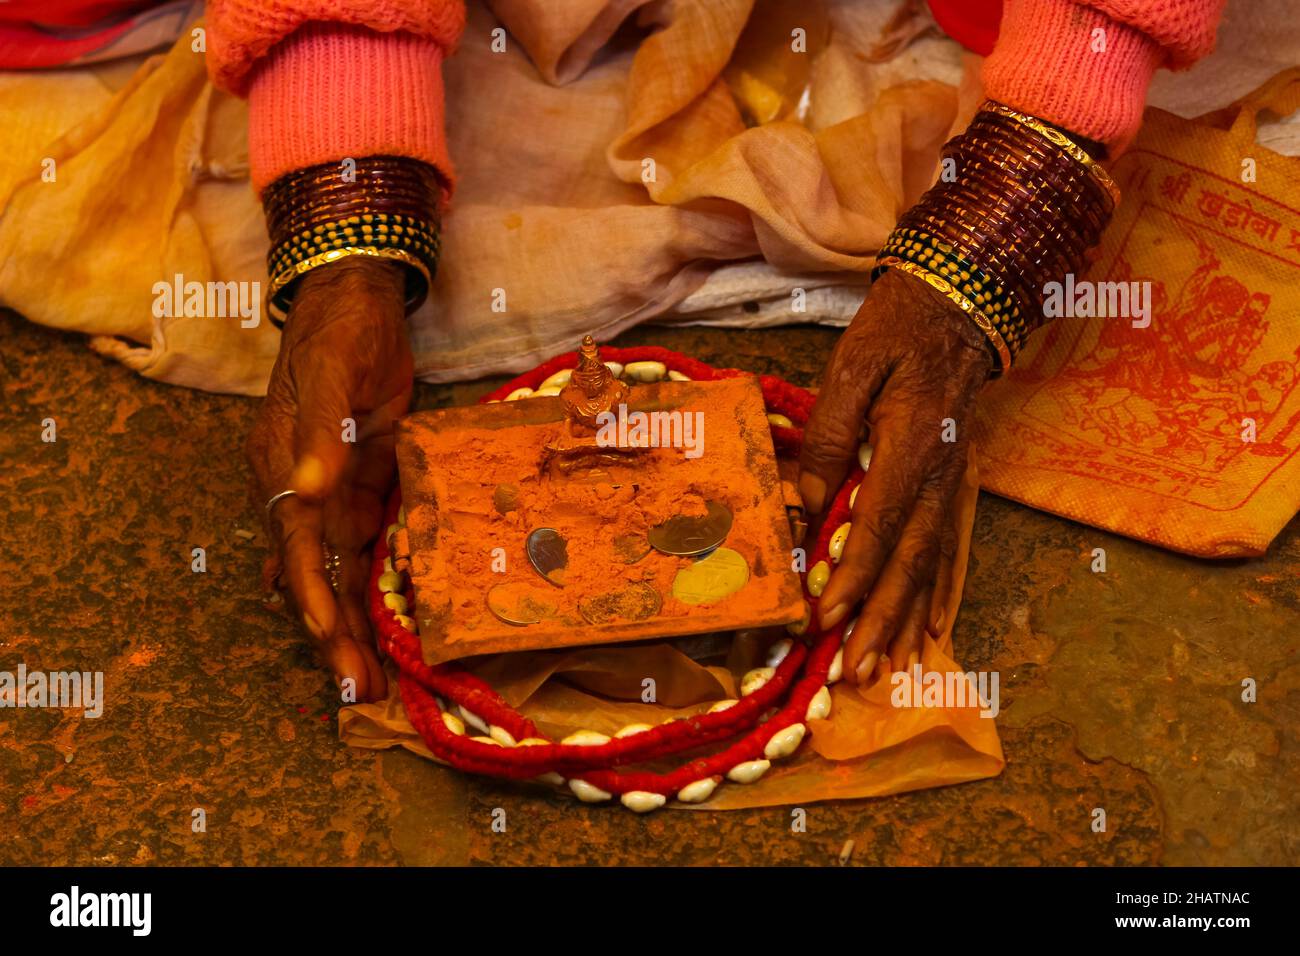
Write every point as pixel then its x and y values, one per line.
pixel 813 492
pixel 936 626
pixel 309 476
pixel 834 616
pixel 829 598
pixel 868 667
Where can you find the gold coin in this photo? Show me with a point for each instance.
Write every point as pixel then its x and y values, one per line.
pixel 635 603
pixel 710 579
pixel 521 604
pixel 689 535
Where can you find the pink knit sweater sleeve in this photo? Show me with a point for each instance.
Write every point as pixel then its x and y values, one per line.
pixel 331 79
pixel 1085 65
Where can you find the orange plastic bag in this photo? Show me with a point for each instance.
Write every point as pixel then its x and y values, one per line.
pixel 1185 432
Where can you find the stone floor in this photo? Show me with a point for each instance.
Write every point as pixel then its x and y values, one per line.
pixel 1119 690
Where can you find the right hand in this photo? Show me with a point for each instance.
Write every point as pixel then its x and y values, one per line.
pixel 344 354
pixel 909 362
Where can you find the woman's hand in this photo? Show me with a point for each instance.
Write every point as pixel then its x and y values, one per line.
pixel 344 358
pixel 909 365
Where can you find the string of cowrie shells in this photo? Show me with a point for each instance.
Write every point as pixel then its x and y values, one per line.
pixel 469 726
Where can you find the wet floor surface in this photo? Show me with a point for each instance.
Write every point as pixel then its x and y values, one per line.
pixel 1120 691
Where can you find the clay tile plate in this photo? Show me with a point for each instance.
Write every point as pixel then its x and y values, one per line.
pixel 475 481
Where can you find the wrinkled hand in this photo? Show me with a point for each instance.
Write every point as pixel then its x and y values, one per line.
pixel 909 361
pixel 344 355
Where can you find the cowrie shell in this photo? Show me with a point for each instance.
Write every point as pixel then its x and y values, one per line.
pixel 676 376
pixel 697 792
pixel 779 420
pixel 645 371
pixel 818 577
pixel 473 719
pixel 587 793
pixel 533 742
pixel 723 705
pixel 544 392
pixel 836 670
pixel 557 380
pixel 501 736
pixel 838 540
pixel 585 738
pixel 405 622
pixel 395 602
pixel 519 393
pixel 755 679
pixel 485 740
pixel 632 729
pixel 615 369
pixel 749 771
pixel 819 707
pixel 784 742
pixel 778 651
pixel 642 801
pixel 552 778
pixel 390 581
pixel 864 456
pixel 453 723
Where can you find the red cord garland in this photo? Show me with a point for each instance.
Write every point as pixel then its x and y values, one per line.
pixel 798 677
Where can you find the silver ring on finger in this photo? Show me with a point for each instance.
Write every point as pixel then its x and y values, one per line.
pixel 275 498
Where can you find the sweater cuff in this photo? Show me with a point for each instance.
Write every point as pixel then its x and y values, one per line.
pixel 1074 67
pixel 328 92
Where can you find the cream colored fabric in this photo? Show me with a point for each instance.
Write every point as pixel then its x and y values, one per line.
pixel 551 207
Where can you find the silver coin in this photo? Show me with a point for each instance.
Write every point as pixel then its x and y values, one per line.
pixel 520 604
pixel 631 548
pixel 688 535
pixel 634 603
pixel 548 553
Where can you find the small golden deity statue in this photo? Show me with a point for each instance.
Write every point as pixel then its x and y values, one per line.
pixel 593 389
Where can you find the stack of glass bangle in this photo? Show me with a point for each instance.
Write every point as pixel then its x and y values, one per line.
pixel 1023 207
pixel 384 207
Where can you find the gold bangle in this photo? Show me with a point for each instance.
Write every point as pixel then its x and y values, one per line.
pixel 281 281
pixel 945 288
pixel 1057 138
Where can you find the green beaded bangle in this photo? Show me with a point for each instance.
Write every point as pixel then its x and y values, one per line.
pixel 985 293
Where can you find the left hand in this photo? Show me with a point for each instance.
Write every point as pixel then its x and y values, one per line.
pixel 910 365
